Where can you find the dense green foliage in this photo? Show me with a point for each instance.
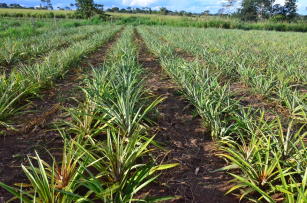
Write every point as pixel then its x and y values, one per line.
pixel 276 22
pixel 31 13
pixel 87 8
pixel 214 22
pixel 263 9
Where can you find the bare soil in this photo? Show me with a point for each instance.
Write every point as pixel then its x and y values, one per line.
pixel 35 130
pixel 242 93
pixel 187 142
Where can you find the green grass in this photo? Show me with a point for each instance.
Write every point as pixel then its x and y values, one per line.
pixel 7 12
pixel 179 21
pixel 208 22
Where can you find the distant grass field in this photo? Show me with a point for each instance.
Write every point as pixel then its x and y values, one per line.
pixel 26 11
pixel 168 17
pixel 208 21
pixel 35 13
pixel 177 21
pixel 16 28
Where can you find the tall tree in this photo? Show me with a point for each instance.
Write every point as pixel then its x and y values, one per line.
pixel 48 4
pixel 228 5
pixel 265 8
pixel 279 10
pixel 87 8
pixel 164 11
pixel 206 12
pixel 290 9
pixel 3 5
pixel 256 9
pixel 248 10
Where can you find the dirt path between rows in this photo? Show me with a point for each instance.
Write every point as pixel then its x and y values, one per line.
pixel 187 141
pixel 35 128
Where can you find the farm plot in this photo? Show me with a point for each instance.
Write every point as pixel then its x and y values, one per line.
pixel 147 114
pixel 32 127
pixel 106 143
pixel 272 68
pixel 12 28
pixel 25 82
pixel 185 141
pixel 23 50
pixel 16 28
pixel 265 147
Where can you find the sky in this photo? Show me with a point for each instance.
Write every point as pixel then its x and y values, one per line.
pixel 187 5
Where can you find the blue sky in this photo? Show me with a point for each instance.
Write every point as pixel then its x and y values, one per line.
pixel 187 5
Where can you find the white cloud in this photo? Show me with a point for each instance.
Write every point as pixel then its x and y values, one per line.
pixel 138 2
pixel 281 2
pixel 156 8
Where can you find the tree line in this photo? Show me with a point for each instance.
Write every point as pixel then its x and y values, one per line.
pixel 265 9
pixel 148 10
pixel 248 10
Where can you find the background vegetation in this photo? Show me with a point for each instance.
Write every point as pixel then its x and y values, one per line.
pixel 251 15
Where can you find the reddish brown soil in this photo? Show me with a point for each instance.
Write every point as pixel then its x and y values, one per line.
pixel 35 129
pixel 187 142
pixel 242 93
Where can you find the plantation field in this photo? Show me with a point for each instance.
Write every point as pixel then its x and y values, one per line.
pixel 120 113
